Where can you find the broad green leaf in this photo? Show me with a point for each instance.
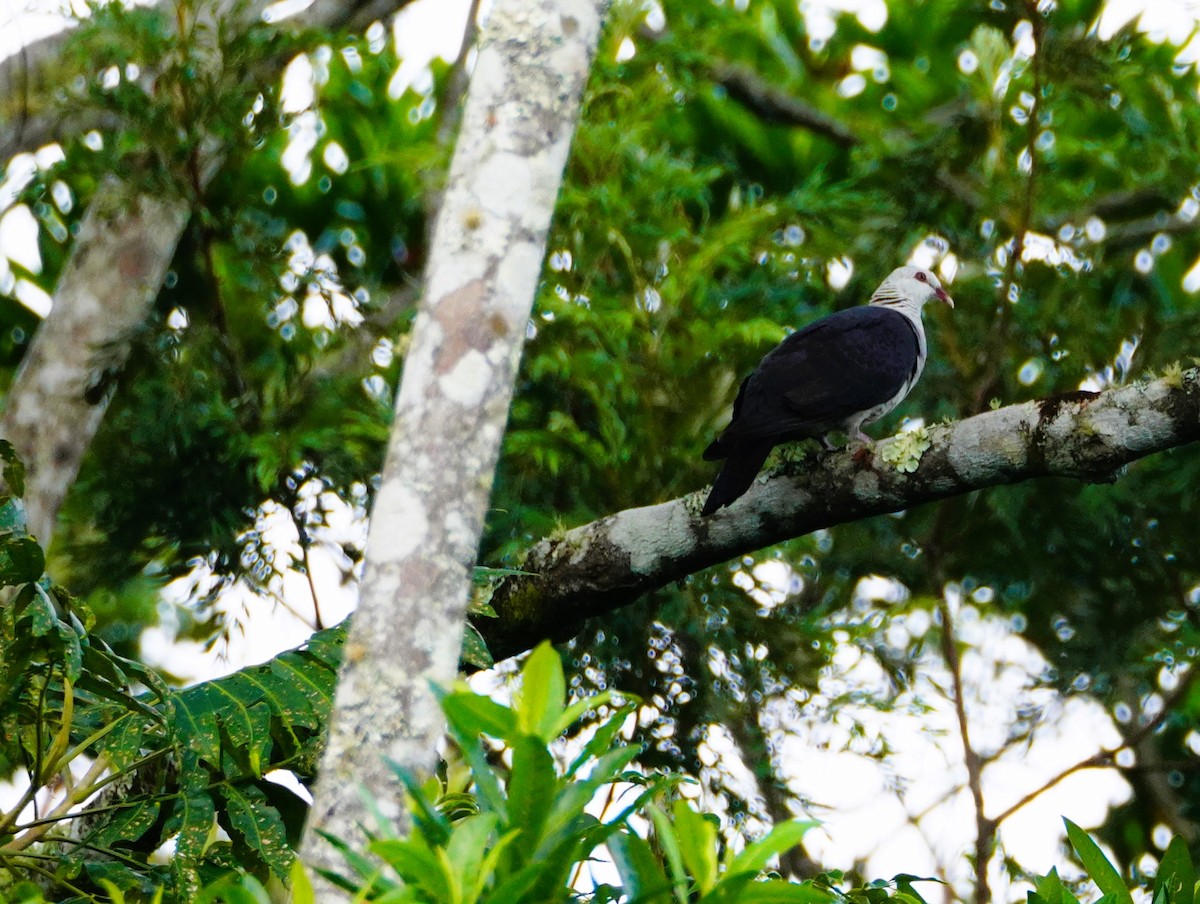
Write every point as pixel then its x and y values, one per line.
pixel 783 837
pixel 14 469
pixel 531 790
pixel 417 865
pixel 641 873
pixel 1050 890
pixel 1176 875
pixel 299 885
pixel 697 836
pixel 1098 867
pixel 21 561
pixel 539 702
pixel 192 821
pixel 778 892
pixel 669 842
pixel 473 714
pixel 467 850
pixel 474 648
pixel 128 824
pixel 250 818
pixel 196 723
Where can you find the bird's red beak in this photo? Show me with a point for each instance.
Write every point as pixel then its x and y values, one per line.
pixel 942 296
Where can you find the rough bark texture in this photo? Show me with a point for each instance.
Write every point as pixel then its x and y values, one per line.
pixel 609 563
pixel 453 404
pixel 46 416
pixel 111 279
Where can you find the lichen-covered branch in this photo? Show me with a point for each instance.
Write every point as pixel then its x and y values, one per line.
pixel 52 410
pixel 452 406
pixel 609 563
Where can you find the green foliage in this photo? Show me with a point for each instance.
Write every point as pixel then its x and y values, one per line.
pixel 185 761
pixel 527 830
pixel 695 227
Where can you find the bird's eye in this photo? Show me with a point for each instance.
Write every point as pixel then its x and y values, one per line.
pixel 921 276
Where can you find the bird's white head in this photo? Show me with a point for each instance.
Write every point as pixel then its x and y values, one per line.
pixel 910 287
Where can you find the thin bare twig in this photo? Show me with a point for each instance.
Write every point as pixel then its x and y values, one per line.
pixel 985 829
pixel 1107 758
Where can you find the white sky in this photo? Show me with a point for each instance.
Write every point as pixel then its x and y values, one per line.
pixel 864 815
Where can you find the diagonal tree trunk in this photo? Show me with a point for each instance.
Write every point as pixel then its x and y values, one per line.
pixel 106 290
pixel 452 406
pixel 96 304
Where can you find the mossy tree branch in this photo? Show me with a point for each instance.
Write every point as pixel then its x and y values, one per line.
pixel 609 563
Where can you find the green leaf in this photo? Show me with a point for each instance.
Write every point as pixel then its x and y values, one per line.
pixel 531 790
pixel 14 468
pixel 669 842
pixel 539 702
pixel 697 836
pixel 21 561
pixel 601 741
pixel 234 888
pixel 474 648
pixel 193 815
pixel 783 837
pixel 257 824
pixel 418 865
pixel 515 889
pixel 473 714
pixel 641 873
pixel 1050 890
pixel 467 850
pixel 1176 876
pixel 128 824
pixel 299 885
pixel 1098 867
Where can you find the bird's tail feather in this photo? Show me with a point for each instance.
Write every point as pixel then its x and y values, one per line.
pixel 738 472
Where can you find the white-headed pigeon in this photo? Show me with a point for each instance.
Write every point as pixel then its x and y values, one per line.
pixel 839 373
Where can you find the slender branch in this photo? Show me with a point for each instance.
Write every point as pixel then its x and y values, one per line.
pixel 984 828
pixel 43 825
pixel 312 586
pixel 774 105
pixel 1108 757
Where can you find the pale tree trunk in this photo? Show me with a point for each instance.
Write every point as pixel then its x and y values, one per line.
pixel 452 406
pixel 106 290
pixel 117 264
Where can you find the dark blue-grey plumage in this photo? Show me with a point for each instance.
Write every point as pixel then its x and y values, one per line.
pixel 838 373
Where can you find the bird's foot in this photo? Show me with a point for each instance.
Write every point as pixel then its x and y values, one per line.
pixel 863 454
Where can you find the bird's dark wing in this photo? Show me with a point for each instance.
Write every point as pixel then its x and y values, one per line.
pixel 823 374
